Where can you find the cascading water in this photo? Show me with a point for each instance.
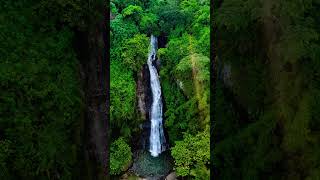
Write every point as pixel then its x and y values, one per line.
pixel 157 139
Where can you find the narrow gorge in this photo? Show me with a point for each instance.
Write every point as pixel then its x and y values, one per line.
pixel 159 89
pixel 149 161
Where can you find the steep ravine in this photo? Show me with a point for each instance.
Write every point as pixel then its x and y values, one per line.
pixel 144 99
pixel 145 165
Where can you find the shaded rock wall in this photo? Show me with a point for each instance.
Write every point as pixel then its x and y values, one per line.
pixel 144 98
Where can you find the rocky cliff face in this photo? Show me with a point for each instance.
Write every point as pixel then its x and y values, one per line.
pixel 144 99
pixel 144 102
pixel 144 92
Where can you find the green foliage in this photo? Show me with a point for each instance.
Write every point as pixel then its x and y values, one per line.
pixel 122 93
pixel 203 44
pixel 266 119
pixel 298 41
pixel 135 52
pixel 171 17
pixel 225 112
pixel 113 9
pixel 122 4
pixel 121 31
pixel 196 67
pixel 133 13
pixel 177 48
pixel 40 101
pixel 120 156
pixel 4 154
pixel 193 72
pixel 149 24
pixel 235 15
pixel 297 133
pixel 184 72
pixel 182 114
pixel 131 10
pixel 185 85
pixel 192 155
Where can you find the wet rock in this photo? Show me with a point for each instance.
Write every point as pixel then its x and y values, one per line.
pixel 141 96
pixel 144 99
pixel 144 92
pixel 171 176
pixel 124 176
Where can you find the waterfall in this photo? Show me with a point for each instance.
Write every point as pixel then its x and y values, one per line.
pixel 157 139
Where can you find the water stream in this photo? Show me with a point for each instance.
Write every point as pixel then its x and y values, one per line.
pixel 157 138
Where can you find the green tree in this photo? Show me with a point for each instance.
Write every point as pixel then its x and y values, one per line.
pixel 135 52
pixel 184 72
pixel 269 102
pixel 4 154
pixel 41 101
pixel 122 97
pixel 149 24
pixel 120 156
pixel 192 154
pixel 132 13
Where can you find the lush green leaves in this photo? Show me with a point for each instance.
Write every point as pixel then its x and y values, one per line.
pixel 192 155
pixel 149 24
pixel 131 11
pixel 120 156
pixel 184 73
pixel 135 52
pixel 265 110
pixel 40 102
pixel 122 93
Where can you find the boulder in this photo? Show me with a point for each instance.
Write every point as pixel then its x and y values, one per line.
pixel 171 176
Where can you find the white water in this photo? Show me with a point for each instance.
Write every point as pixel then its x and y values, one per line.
pixel 157 139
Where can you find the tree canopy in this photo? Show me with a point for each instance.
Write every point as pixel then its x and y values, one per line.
pixel 184 72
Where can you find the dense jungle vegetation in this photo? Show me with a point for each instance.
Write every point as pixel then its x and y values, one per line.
pixel 267 97
pixel 184 77
pixel 266 103
pixel 41 99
